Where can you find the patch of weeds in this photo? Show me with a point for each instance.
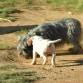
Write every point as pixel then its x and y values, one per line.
pixel 57 4
pixel 13 75
pixel 4 46
pixel 19 77
pixel 15 2
pixel 2 4
pixel 4 13
pixel 21 32
pixel 39 78
pixel 79 9
pixel 13 19
pixel 8 19
pixel 30 7
pixel 10 2
pixel 10 10
pixel 7 67
pixel 20 80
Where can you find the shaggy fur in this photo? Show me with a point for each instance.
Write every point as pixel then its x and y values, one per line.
pixel 68 29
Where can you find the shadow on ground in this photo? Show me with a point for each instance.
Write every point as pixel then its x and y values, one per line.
pixel 12 56
pixel 69 63
pixel 65 52
pixel 10 29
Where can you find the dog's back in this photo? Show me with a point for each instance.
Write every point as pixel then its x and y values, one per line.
pixel 38 40
pixel 42 46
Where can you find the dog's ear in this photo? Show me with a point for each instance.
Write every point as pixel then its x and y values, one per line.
pixel 29 42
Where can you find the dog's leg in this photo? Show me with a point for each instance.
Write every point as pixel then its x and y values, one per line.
pixel 77 46
pixel 34 57
pixel 45 59
pixel 53 59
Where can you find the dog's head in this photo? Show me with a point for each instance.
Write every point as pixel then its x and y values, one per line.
pixel 29 42
pixel 23 48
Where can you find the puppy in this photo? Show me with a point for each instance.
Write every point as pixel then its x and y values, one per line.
pixel 43 47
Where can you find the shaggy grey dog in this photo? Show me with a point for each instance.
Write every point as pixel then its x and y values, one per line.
pixel 67 29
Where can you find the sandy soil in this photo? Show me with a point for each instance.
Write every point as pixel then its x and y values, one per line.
pixel 69 68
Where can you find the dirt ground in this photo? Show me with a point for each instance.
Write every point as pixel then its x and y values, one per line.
pixel 69 67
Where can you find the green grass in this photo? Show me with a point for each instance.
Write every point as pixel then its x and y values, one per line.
pixel 6 10
pixel 21 32
pixel 11 66
pixel 67 5
pixel 8 7
pixel 16 2
pixel 10 10
pixel 5 46
pixel 72 5
pixel 8 67
pixel 30 7
pixel 13 19
pixel 5 13
pixel 18 77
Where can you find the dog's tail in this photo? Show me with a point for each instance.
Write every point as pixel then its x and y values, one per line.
pixel 54 41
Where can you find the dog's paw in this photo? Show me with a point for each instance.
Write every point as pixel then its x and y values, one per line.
pixel 44 64
pixel 33 63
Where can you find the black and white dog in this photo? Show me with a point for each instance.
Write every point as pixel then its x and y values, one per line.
pixel 67 29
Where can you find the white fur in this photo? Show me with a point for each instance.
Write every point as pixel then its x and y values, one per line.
pixel 43 47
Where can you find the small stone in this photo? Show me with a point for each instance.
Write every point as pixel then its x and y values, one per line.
pixel 69 12
pixel 72 69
